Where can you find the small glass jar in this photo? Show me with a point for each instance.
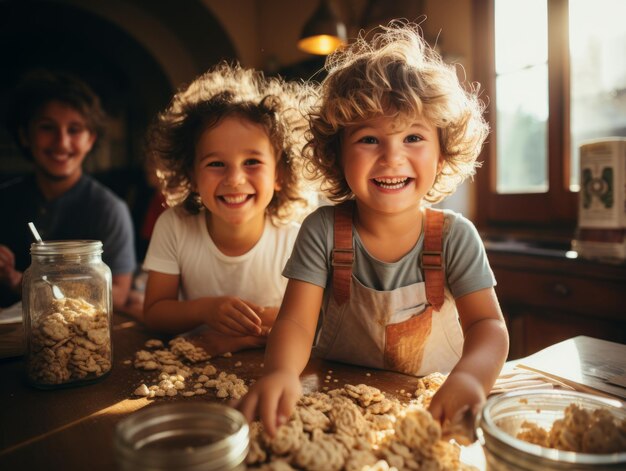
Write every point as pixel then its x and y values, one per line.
pixel 195 436
pixel 66 306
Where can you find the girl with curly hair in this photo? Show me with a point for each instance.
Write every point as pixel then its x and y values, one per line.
pixel 227 150
pixel 398 285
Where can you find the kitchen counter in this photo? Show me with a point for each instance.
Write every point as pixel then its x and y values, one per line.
pixel 548 294
pixel 72 428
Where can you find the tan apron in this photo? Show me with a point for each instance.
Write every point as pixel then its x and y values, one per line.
pixel 413 329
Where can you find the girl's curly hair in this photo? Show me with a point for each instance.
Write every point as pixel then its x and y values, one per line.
pixel 229 90
pixel 396 74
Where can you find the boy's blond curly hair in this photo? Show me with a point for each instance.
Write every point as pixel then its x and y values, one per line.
pixel 396 74
pixel 229 90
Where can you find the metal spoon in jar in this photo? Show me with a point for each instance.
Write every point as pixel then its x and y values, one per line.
pixel 56 291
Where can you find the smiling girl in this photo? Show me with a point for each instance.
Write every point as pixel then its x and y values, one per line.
pixel 227 149
pixel 381 279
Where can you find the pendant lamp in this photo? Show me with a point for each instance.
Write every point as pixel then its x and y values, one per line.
pixel 323 32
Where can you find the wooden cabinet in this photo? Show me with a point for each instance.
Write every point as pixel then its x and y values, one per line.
pixel 547 298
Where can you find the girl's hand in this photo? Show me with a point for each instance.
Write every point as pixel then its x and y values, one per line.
pixel 459 391
pixel 233 316
pixel 268 315
pixel 272 399
pixel 216 343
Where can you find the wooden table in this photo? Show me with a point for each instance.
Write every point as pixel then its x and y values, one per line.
pixel 73 428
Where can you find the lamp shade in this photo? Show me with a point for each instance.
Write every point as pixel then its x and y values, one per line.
pixel 323 32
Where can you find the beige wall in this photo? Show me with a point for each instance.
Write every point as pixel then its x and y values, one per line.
pixel 267 30
pixel 240 19
pixel 264 32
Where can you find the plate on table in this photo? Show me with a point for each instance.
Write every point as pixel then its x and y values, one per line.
pixel 11 314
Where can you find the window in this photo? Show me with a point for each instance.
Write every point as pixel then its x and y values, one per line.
pixel 554 75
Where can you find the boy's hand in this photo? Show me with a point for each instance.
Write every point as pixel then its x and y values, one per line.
pixel 272 399
pixel 460 390
pixel 233 316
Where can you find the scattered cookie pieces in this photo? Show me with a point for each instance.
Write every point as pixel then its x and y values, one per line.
pixel 183 369
pixel 355 428
pixel 427 386
pixel 154 343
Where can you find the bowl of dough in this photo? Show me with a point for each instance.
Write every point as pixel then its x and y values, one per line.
pixel 552 430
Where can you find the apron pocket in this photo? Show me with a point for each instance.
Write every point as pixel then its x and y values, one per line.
pixel 405 314
pixel 405 342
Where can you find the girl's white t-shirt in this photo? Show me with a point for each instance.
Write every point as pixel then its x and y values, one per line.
pixel 181 245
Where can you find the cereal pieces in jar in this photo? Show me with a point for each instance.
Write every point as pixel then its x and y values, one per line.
pixel 69 342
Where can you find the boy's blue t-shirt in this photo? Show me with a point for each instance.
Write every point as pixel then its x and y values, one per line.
pixel 88 210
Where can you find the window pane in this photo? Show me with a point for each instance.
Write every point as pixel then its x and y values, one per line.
pixel 521 95
pixel 522 125
pixel 521 34
pixel 598 73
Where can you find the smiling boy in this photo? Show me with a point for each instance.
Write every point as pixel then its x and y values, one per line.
pixel 56 119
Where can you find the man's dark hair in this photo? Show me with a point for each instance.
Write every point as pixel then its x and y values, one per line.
pixel 38 88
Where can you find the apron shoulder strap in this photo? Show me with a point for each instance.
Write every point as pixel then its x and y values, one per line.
pixel 431 258
pixel 342 257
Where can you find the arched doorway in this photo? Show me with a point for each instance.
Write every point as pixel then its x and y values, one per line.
pixel 130 80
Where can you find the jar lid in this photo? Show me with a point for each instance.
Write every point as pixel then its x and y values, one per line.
pixel 185 436
pixel 66 247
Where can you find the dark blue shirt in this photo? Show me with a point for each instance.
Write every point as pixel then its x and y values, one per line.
pixel 89 210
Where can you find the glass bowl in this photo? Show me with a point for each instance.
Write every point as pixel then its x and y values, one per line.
pixel 193 436
pixel 501 419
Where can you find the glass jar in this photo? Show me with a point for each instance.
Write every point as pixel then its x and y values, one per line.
pixel 66 306
pixel 502 416
pixel 185 436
